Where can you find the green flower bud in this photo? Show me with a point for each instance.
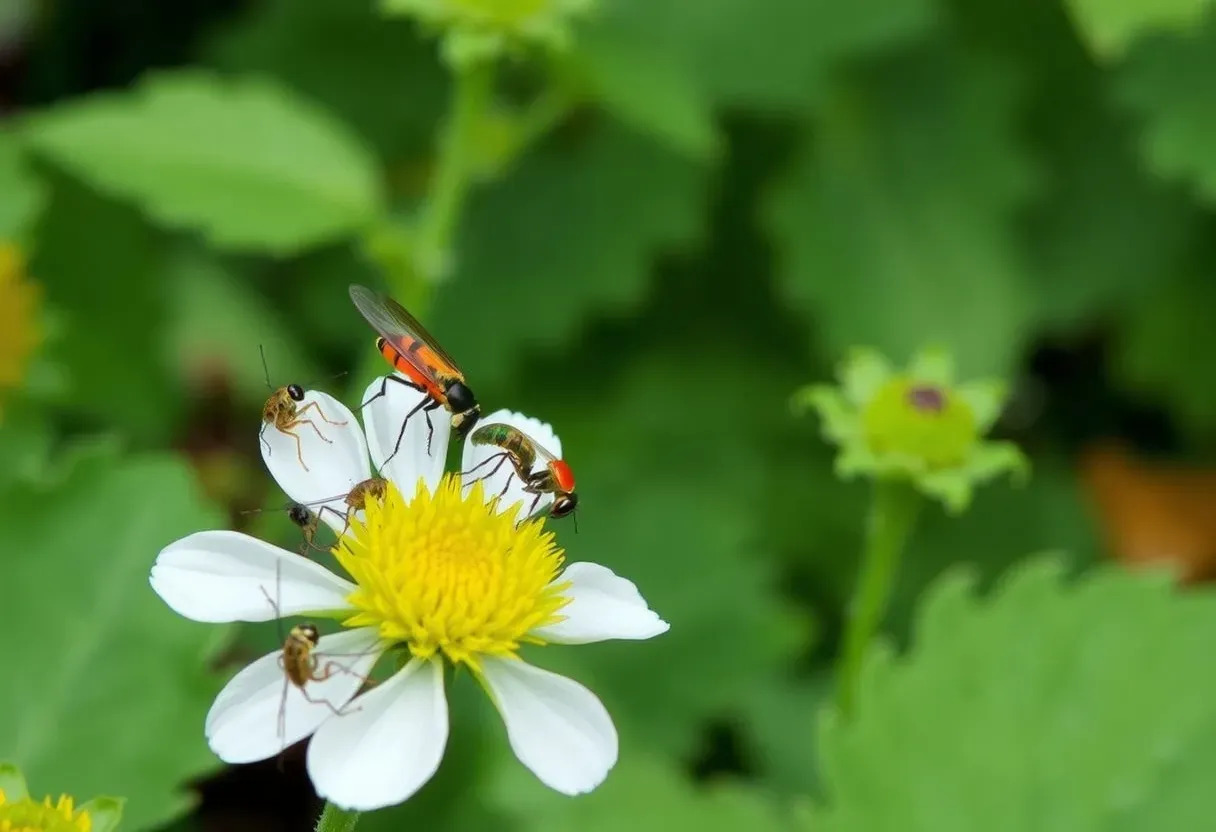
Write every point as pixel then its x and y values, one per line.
pixel 916 425
pixel 480 30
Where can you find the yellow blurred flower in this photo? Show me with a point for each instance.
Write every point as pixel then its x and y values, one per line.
pixel 21 813
pixel 20 332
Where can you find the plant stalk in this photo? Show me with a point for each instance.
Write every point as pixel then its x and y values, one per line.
pixel 453 176
pixel 334 819
pixel 894 507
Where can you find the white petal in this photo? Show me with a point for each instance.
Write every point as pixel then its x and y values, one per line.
pixel 331 466
pixel 603 606
pixel 556 727
pixel 384 417
pixel 259 713
pixel 480 455
pixel 383 752
pixel 223 576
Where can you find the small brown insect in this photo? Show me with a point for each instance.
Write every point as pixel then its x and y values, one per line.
pixel 283 412
pixel 372 488
pixel 301 664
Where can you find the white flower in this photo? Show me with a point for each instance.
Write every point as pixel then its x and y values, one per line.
pixel 442 573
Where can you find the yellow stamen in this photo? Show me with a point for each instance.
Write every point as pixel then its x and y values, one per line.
pixel 446 573
pixel 19 330
pixel 28 815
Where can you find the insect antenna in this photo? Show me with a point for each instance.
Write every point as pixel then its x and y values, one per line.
pixel 265 366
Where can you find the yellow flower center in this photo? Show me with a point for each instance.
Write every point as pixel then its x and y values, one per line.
pixel 921 421
pixel 28 815
pixel 19 332
pixel 446 573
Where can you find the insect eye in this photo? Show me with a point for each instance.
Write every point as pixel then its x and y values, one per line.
pixel 299 515
pixel 310 633
pixel 564 505
pixel 296 392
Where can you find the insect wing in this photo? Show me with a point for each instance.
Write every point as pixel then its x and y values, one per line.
pixel 543 454
pixel 401 330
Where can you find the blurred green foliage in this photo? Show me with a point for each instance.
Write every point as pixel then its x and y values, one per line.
pixel 669 228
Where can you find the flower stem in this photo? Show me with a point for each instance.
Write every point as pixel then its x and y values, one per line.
pixel 893 510
pixel 441 217
pixel 334 819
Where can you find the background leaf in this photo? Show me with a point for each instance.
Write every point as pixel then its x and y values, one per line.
pixel 764 53
pixel 651 92
pixel 373 72
pixel 574 211
pixel 1110 26
pixel 246 162
pixel 647 796
pixel 1043 689
pixel 1162 83
pixel 100 661
pixel 896 226
pixel 22 195
pixel 103 285
pixel 1161 350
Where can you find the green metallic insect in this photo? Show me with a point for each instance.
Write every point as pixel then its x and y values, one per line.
pixel 522 451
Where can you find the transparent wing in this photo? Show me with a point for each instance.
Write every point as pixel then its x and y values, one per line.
pixel 400 329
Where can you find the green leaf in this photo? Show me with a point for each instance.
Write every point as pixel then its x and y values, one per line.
pixel 373 72
pixel 106 688
pixel 1111 26
pixel 1166 349
pixel 1047 706
pixel 897 226
pixel 247 162
pixel 768 54
pixel 25 445
pixel 780 719
pixel 1107 229
pixel 220 325
pixel 649 91
pixel 1163 83
pixel 572 233
pixel 642 794
pixel 22 194
pixel 106 285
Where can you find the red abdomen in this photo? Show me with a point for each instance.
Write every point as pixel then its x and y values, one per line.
pixel 562 475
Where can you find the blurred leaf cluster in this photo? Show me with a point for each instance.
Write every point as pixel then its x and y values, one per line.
pixel 695 209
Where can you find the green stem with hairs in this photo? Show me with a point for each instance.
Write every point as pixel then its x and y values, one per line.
pixel 893 510
pixel 334 819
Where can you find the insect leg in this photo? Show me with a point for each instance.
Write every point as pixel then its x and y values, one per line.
pixel 499 458
pixel 424 405
pixel 262 438
pixel 299 446
pixel 505 486
pixel 317 407
pixel 337 711
pixel 283 713
pixel 299 421
pixel 430 428
pixel 384 388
